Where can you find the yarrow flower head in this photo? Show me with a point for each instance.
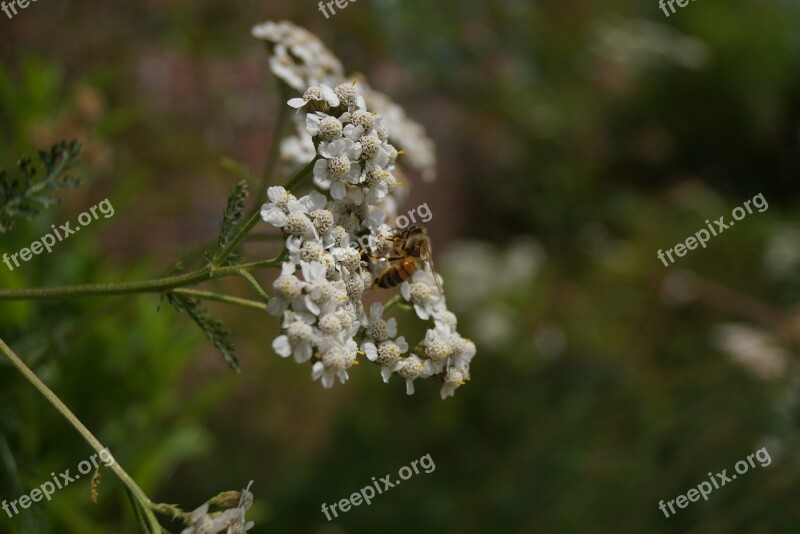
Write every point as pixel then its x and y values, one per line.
pixel 337 240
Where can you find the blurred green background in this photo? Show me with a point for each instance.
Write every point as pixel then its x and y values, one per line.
pixel 575 139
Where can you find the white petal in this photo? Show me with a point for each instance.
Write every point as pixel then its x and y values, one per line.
pixel 317 370
pixel 327 381
pixel 336 148
pixel 321 169
pixel 401 344
pixel 375 311
pixel 312 124
pixel 392 324
pixel 329 95
pixel 381 158
pixel 303 353
pixel 409 387
pixel 386 373
pixel 311 305
pixel 338 191
pixel 297 103
pixel 281 346
pixel 405 290
pixel 277 194
pixel 273 215
pixel 370 350
pixel 354 152
pixel 354 175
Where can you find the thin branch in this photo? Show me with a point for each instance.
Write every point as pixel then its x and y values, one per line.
pixel 158 285
pixel 253 282
pixel 87 435
pixel 208 295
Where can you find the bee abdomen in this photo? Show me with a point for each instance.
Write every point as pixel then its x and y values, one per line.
pixel 397 274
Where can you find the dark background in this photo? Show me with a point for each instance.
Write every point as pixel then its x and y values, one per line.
pixel 575 139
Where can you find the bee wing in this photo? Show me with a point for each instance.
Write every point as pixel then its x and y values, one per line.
pixel 427 256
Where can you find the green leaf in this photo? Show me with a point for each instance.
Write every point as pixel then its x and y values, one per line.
pixel 219 336
pixel 24 197
pixel 230 221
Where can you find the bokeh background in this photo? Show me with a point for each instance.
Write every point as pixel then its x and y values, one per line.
pixel 574 139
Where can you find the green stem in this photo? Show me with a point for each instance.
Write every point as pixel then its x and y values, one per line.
pixel 253 282
pixel 275 142
pixel 145 286
pixel 87 435
pixel 208 295
pixel 296 179
pixel 300 175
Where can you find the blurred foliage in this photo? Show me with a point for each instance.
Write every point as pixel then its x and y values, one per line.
pixel 575 140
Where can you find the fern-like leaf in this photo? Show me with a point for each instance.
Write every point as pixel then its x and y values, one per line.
pixel 230 221
pixel 219 336
pixel 24 197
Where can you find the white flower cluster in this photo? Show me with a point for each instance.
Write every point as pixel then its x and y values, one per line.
pixel 301 60
pixel 322 283
pixel 230 521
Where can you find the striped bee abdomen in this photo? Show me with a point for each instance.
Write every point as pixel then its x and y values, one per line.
pixel 398 273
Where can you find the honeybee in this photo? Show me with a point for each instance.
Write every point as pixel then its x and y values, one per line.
pixel 412 249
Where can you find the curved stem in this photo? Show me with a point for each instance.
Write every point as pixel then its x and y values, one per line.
pixel 253 282
pixel 208 295
pixel 126 479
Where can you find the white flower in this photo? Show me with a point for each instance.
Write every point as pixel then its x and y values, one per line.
pixel 376 328
pixel 337 357
pixel 339 165
pixel 317 95
pixel 350 96
pixel 288 290
pixel 437 344
pixel 319 291
pixel 352 132
pixel 299 338
pixel 452 380
pixel 386 354
pixel 754 349
pixel 324 126
pixel 287 213
pixel 423 293
pixel 446 318
pixel 462 352
pixel 411 368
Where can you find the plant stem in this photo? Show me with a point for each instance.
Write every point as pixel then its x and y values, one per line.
pixel 300 175
pixel 275 142
pixel 297 178
pixel 208 295
pixel 256 286
pixel 87 435
pixel 145 286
